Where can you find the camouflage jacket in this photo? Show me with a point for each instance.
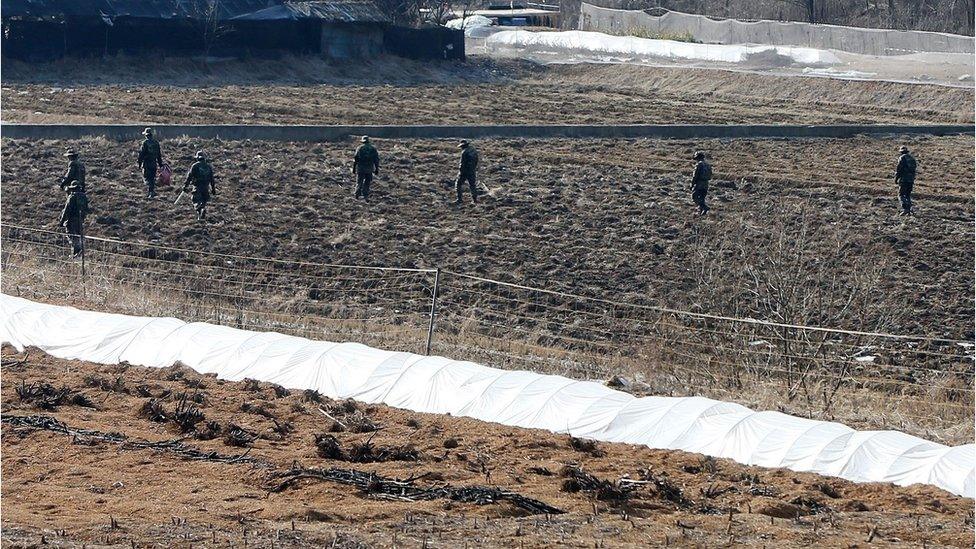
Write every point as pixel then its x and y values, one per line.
pixel 76 172
pixel 150 153
pixel 905 173
pixel 469 160
pixel 701 176
pixel 201 175
pixel 367 159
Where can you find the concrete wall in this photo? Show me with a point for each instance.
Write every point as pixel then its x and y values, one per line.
pixel 337 133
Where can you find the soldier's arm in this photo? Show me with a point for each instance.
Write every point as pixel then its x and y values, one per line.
pixel 143 152
pixel 696 175
pixel 376 161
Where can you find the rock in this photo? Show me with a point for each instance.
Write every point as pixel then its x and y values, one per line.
pixel 618 382
pixel 853 505
pixel 775 508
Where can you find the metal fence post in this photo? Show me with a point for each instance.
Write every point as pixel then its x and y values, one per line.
pixel 433 309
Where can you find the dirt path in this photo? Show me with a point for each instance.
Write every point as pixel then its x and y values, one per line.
pixel 68 492
pixel 480 92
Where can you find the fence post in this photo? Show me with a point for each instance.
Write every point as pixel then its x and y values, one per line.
pixel 433 309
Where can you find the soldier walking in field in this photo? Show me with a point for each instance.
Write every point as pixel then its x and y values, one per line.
pixel 73 216
pixel 150 159
pixel 467 171
pixel 365 164
pixel 75 173
pixel 905 178
pixel 699 182
pixel 200 179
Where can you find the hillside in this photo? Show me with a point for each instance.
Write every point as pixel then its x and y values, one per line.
pixel 106 464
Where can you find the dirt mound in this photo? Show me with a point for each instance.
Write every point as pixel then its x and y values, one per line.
pixel 103 474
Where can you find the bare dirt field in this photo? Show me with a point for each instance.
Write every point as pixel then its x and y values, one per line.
pixel 304 91
pixel 610 218
pixel 123 456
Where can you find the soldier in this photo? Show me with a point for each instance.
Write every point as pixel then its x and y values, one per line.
pixel 905 177
pixel 699 182
pixel 365 165
pixel 75 173
pixel 201 179
pixel 150 159
pixel 73 216
pixel 467 171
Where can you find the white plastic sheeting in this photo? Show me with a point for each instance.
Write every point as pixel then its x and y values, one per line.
pixel 518 398
pixel 469 22
pixel 599 43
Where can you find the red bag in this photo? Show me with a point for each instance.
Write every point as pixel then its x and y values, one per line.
pixel 165 176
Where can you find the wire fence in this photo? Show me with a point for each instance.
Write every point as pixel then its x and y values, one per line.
pixel 915 383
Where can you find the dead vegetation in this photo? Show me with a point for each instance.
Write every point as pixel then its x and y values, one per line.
pixel 293 92
pixel 496 486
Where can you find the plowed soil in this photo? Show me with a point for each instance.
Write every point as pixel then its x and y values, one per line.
pixel 611 218
pixel 307 91
pixel 63 491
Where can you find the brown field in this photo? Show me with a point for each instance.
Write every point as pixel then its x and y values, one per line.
pixel 303 91
pixel 71 491
pixel 608 218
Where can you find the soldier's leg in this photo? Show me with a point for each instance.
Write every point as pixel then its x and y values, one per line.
pixel 149 176
pixel 458 186
pixel 905 195
pixel 359 184
pixel 473 185
pixel 704 204
pixel 367 181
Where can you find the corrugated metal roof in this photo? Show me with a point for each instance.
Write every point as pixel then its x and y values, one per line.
pixel 153 9
pixel 337 12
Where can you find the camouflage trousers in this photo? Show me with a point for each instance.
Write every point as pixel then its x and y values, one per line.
pixel 698 195
pixel 75 228
pixel 471 179
pixel 905 196
pixel 149 177
pixel 363 180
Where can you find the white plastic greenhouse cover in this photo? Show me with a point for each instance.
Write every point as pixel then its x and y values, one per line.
pixel 518 398
pixel 597 42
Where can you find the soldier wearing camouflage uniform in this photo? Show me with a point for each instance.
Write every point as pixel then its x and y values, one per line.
pixel 699 182
pixel 200 179
pixel 75 173
pixel 73 216
pixel 467 170
pixel 905 178
pixel 150 159
pixel 365 164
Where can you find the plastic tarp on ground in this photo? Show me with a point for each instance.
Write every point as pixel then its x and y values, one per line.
pixel 786 33
pixel 599 43
pixel 517 398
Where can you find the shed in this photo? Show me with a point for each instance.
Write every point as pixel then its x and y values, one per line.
pixel 343 29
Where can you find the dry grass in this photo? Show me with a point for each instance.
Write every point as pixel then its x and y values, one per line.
pixel 310 91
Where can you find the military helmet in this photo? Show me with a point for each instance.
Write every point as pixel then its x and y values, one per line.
pixel 70 153
pixel 463 144
pixel 365 139
pixel 903 150
pixel 147 131
pixel 200 155
pixel 699 155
